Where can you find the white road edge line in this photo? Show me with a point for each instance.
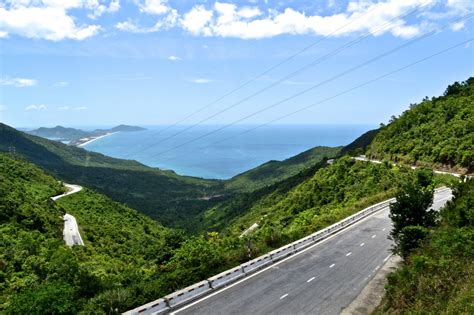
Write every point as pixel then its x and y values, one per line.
pixel 348 254
pixel 283 296
pixel 281 261
pixel 310 279
pixel 386 258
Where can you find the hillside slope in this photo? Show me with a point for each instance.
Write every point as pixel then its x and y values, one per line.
pixel 276 171
pixel 162 195
pixel 438 278
pixel 40 275
pixel 438 132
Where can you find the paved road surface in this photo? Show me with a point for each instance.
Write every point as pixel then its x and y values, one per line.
pixel 323 279
pixel 72 189
pixel 71 233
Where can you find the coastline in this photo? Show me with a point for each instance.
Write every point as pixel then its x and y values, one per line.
pixel 94 139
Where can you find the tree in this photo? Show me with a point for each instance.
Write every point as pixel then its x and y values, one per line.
pixel 411 210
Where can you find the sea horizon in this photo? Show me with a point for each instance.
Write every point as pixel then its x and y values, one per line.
pixel 223 154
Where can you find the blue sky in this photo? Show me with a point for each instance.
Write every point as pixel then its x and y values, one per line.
pixel 150 62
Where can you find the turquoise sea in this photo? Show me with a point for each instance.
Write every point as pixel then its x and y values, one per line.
pixel 225 153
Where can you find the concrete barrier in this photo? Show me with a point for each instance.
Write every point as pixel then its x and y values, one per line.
pixel 187 294
pixel 227 276
pixel 156 307
pixel 303 243
pixel 193 292
pixel 282 252
pixel 257 263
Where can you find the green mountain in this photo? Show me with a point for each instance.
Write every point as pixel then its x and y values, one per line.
pixel 359 145
pixel 162 195
pixel 276 171
pixel 438 132
pixel 119 128
pixel 40 275
pixel 59 133
pixel 73 135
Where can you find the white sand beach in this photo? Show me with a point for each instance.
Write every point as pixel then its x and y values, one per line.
pixel 92 139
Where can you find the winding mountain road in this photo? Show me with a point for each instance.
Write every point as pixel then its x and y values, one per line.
pixel 71 233
pixel 322 279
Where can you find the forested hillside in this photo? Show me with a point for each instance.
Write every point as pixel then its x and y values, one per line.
pixel 277 171
pixel 309 201
pixel 40 275
pixel 438 278
pixel 162 195
pixel 437 132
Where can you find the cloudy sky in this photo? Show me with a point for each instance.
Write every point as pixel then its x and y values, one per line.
pixel 149 62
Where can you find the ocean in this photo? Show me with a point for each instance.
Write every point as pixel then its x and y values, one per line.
pixel 225 153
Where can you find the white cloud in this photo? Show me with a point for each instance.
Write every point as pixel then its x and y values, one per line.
pixel 202 81
pixel 63 108
pixel 174 58
pixel 18 82
pixel 157 7
pixel 197 21
pixel 227 20
pixel 79 108
pixel 36 107
pixel 99 9
pixel 3 108
pixel 51 19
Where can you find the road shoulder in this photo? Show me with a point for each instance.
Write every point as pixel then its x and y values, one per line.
pixel 371 296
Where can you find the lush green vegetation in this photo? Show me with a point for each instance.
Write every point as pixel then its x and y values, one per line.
pixel 359 145
pixel 438 277
pixel 40 275
pixel 308 201
pixel 277 171
pixel 438 132
pixel 171 199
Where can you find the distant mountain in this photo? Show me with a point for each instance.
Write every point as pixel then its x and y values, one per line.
pixel 163 195
pixel 276 171
pixel 77 137
pixel 121 128
pixel 59 133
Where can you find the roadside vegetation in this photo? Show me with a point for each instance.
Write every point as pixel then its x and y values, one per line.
pixel 437 133
pixel 437 275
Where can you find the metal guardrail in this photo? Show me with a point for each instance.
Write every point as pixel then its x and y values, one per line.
pixel 195 291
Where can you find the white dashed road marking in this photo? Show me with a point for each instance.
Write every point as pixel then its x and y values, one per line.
pixel 373 236
pixel 362 244
pixel 332 265
pixel 310 279
pixel 283 296
pixel 348 254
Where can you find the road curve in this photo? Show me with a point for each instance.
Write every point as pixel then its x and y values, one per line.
pixel 322 279
pixel 71 233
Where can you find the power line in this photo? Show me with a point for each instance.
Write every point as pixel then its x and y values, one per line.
pixel 316 86
pixel 344 92
pixel 379 28
pixel 246 83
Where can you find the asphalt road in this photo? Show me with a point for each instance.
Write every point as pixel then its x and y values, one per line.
pixel 323 279
pixel 71 233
